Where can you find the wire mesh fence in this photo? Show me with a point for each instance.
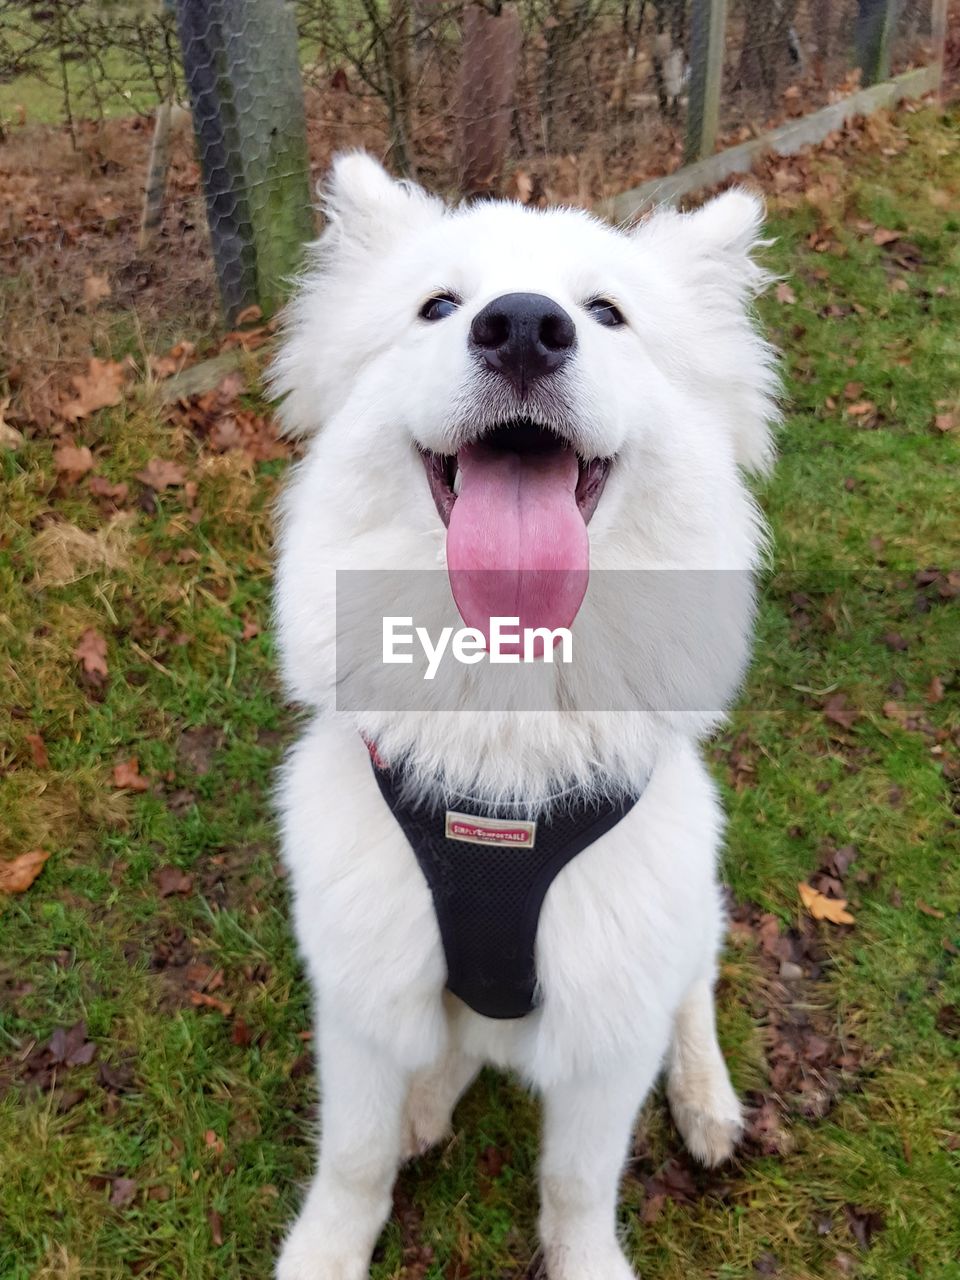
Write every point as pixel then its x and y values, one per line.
pixel 186 134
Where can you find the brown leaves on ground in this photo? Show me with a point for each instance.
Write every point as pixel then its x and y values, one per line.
pixel 42 1066
pixel 836 711
pixel 823 908
pixel 10 437
pixel 219 420
pixel 72 461
pixel 92 653
pixel 96 288
pixel 864 1224
pixel 161 474
pixel 108 492
pixel 674 1181
pixel 216 1227
pixel 171 880
pixel 176 359
pixel 127 776
pixel 99 388
pixel 38 751
pixel 18 874
pixel 123 1192
pixel 809 1059
pixel 785 294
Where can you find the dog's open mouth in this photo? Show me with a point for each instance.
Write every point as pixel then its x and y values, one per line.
pixel 528 442
pixel 516 502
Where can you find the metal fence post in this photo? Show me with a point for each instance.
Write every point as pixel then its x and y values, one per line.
pixel 708 21
pixel 242 71
pixel 876 21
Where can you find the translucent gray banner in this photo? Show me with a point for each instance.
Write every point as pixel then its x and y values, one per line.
pixel 654 641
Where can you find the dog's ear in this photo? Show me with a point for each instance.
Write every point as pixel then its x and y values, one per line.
pixel 707 260
pixel 728 225
pixel 366 208
pixel 722 233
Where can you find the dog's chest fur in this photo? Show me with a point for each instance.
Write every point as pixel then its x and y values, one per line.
pixel 623 928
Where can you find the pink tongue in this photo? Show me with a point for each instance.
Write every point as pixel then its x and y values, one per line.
pixel 517 545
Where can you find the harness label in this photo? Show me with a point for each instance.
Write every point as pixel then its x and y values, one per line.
pixel 497 831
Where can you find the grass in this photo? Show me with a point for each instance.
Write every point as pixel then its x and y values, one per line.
pixel 211 1119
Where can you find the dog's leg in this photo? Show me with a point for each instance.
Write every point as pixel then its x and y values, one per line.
pixel 433 1095
pixel 704 1105
pixel 362 1103
pixel 587 1128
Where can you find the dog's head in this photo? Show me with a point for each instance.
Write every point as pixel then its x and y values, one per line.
pixel 496 387
pixel 544 350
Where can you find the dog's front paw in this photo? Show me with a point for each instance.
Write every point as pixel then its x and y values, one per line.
pixel 585 1260
pixel 710 1124
pixel 311 1254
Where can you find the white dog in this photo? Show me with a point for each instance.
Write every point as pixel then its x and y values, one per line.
pixel 479 384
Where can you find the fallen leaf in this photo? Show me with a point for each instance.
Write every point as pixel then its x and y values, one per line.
pixel 864 1224
pixel 881 236
pixel 17 875
pixel 171 880
pixel 933 912
pixel 116 1079
pixel 122 1192
pixel 840 860
pixel 101 487
pixel 69 1046
pixel 860 408
pixel 785 294
pixel 202 1000
pixel 895 642
pixel 95 289
pixel 215 1143
pixel 161 474
pixel 127 776
pixel 38 750
pixel 894 711
pixel 216 1227
pixel 92 652
pixel 836 711
pixel 823 908
pixel 935 690
pixel 251 628
pixel 73 460
pixel 240 1034
pixel 945 422
pixel 67 1099
pixel 10 437
pixel 98 388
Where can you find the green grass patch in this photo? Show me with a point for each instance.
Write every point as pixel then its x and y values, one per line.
pixel 178 1150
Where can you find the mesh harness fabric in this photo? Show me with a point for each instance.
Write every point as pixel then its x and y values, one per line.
pixel 488 897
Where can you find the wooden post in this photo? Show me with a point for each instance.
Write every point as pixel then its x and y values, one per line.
pixel 708 22
pixel 242 71
pixel 938 31
pixel 263 69
pixel 489 63
pixel 876 20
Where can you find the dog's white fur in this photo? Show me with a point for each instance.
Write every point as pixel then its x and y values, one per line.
pixel 629 933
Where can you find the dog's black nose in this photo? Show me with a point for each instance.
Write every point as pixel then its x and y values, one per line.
pixel 524 336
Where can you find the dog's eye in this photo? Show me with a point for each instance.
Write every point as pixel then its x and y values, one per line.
pixel 439 307
pixel 605 313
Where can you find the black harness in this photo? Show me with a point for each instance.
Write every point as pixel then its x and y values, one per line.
pixel 488 897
